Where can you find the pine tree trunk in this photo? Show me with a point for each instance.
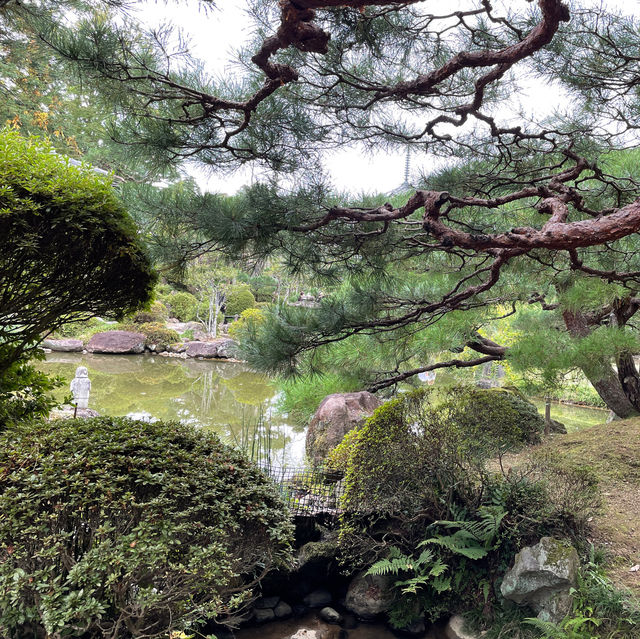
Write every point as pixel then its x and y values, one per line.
pixel 603 377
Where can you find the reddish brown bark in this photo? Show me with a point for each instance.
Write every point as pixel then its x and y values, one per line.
pixel 556 234
pixel 601 373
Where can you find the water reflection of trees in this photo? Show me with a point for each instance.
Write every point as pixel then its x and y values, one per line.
pixel 227 397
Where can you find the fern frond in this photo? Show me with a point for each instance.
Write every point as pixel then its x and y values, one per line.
pixel 439 567
pixel 441 584
pixel 460 543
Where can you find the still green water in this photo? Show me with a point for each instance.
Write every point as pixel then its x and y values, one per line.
pixel 572 416
pixel 226 397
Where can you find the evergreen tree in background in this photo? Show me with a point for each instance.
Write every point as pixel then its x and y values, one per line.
pixel 525 212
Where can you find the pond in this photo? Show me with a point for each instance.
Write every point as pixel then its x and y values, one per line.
pixel 226 397
pixel 574 417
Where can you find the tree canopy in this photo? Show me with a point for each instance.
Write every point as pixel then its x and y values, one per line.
pixel 69 250
pixel 522 208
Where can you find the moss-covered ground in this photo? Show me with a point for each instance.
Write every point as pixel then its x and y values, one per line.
pixel 613 451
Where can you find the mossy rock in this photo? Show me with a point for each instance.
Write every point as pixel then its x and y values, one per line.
pixel 318 559
pixel 496 418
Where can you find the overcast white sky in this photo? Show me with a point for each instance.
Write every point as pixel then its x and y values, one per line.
pixel 213 36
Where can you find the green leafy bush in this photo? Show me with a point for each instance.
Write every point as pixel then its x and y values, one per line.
pixel 68 248
pixel 239 299
pixel 117 528
pixel 80 329
pixel 249 318
pixel 26 392
pixel 183 306
pixel 493 420
pixel 158 334
pixel 418 479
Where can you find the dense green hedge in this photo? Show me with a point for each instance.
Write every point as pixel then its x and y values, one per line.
pixel 117 528
pixel 239 299
pixel 68 248
pixel 183 306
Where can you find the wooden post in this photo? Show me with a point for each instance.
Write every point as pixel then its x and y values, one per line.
pixel 547 415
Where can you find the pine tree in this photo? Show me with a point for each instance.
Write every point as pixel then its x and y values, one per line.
pixel 523 212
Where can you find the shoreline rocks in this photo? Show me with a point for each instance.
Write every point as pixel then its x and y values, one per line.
pixel 117 343
pixel 132 343
pixel 64 345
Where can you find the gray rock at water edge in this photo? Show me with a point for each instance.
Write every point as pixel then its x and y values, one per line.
pixel 227 348
pixel 262 615
pixel 542 576
pixel 317 599
pixel 207 350
pixel 177 347
pixel 283 610
pixel 64 345
pixel 117 343
pixel 369 595
pixel 455 629
pixel 336 416
pixel 330 615
pixel 266 602
pixel 223 347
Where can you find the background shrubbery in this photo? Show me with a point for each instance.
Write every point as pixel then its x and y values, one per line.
pixel 183 306
pixel 115 528
pixel 239 299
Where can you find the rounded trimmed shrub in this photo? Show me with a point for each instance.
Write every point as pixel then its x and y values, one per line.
pixel 157 313
pixel 184 306
pixel 115 528
pixel 68 248
pixel 492 420
pixel 158 334
pixel 239 299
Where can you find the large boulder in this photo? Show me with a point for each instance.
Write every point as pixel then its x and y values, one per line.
pixel 336 416
pixel 226 347
pixel 117 342
pixel 542 576
pixel 369 595
pixel 64 345
pixel 207 350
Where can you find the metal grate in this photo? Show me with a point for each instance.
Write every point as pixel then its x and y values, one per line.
pixel 309 491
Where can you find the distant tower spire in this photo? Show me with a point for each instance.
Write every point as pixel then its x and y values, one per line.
pixel 405 186
pixel 407 164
